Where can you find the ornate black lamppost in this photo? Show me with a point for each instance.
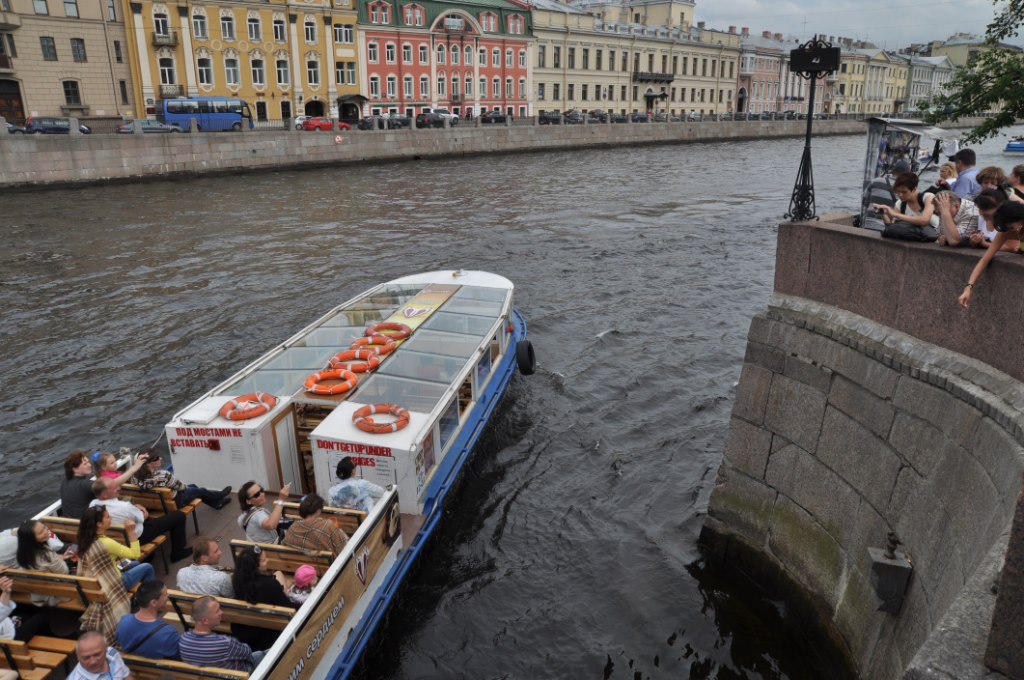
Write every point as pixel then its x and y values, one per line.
pixel 812 59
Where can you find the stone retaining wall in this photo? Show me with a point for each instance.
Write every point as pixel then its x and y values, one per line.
pixel 845 427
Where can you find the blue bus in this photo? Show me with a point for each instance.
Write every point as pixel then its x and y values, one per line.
pixel 212 114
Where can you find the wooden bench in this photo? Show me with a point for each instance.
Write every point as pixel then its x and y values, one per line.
pixel 30 662
pixel 67 530
pixel 153 669
pixel 159 501
pixel 345 519
pixel 285 558
pixel 268 616
pixel 75 592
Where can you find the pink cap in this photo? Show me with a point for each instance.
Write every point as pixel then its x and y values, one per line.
pixel 304 576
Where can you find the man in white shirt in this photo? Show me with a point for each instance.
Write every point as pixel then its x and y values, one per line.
pixel 97 661
pixel 204 576
pixel 173 523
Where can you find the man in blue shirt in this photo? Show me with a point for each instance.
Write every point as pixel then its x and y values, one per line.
pixel 966 184
pixel 145 633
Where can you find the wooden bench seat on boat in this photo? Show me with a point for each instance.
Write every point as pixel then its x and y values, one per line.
pixel 347 520
pixel 74 592
pixel 233 611
pixel 159 501
pixel 67 531
pixel 152 669
pixel 31 662
pixel 285 558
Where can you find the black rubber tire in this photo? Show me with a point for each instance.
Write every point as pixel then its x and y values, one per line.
pixel 526 360
pixel 237 127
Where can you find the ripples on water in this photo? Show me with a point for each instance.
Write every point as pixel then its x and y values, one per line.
pixel 571 550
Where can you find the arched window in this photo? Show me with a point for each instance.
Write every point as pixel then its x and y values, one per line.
pixel 392 87
pixel 231 71
pixel 469 56
pixel 424 87
pixel 455 54
pixel 441 86
pixel 441 54
pixel 283 71
pixel 496 90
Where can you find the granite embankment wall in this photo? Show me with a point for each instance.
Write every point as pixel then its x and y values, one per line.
pixel 870 402
pixel 27 160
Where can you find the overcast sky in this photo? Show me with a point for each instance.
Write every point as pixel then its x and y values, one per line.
pixel 889 25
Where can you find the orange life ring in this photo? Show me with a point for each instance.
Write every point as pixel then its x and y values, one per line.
pixel 361 418
pixel 243 408
pixel 381 344
pixel 347 360
pixel 401 330
pixel 313 382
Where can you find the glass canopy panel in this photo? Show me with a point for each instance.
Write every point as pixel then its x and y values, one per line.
pixel 415 395
pixel 432 367
pixel 337 337
pixel 480 301
pixel 311 359
pixel 477 326
pixel 435 342
pixel 359 317
pixel 279 382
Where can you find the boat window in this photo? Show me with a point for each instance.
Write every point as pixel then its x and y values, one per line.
pixel 415 395
pixel 432 367
pixel 483 369
pixel 448 424
pixel 477 326
pixel 466 393
pixel 308 358
pixel 435 342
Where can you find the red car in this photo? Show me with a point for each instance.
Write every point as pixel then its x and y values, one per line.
pixel 325 124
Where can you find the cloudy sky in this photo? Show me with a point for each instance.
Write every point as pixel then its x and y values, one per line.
pixel 887 24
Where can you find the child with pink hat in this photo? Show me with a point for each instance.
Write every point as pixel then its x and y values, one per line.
pixel 305 581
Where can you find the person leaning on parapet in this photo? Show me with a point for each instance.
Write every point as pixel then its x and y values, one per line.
pixel 204 576
pixel 958 219
pixel 96 660
pixel 966 184
pixel 1008 221
pixel 880 192
pixel 912 206
pixel 987 202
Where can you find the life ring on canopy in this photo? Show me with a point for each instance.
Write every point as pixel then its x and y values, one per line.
pixel 348 360
pixel 361 418
pixel 381 344
pixel 248 406
pixel 401 330
pixel 313 382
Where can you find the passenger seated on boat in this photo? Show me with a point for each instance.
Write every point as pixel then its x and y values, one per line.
pixel 314 532
pixel 203 647
pixel 259 525
pixel 305 581
pixel 254 584
pixel 958 218
pixel 94 561
pixel 145 632
pixel 9 546
pixel 356 494
pixel 150 474
pixel 105 465
pixel 173 523
pixel 76 489
pixel 987 202
pixel 124 557
pixel 35 553
pixel 203 576
pixel 98 660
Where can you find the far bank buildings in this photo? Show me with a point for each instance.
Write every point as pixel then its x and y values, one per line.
pixel 116 59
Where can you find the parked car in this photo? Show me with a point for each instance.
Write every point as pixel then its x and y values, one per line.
pixel 48 125
pixel 663 117
pixel 393 121
pixel 573 118
pixel 725 116
pixel 491 117
pixel 398 121
pixel 15 129
pixel 453 118
pixel 619 118
pixel 322 124
pixel 299 120
pixel 147 127
pixel 638 117
pixel 429 119
pixel 550 118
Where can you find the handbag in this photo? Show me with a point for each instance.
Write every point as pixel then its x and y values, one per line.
pixel 905 231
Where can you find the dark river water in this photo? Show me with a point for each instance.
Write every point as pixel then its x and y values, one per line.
pixel 570 551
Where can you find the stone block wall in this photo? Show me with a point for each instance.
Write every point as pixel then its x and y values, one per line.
pixel 845 428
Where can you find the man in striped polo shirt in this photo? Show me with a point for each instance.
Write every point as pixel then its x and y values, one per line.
pixel 202 647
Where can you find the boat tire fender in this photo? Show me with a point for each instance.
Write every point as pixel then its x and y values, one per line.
pixel 525 357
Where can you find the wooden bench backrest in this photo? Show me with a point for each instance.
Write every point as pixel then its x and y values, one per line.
pixel 234 611
pixel 285 558
pixel 66 529
pixel 151 669
pixel 345 519
pixel 159 499
pixel 78 590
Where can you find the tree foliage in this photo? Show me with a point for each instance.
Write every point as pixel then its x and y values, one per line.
pixel 994 81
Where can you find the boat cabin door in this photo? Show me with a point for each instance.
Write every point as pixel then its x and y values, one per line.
pixel 286 449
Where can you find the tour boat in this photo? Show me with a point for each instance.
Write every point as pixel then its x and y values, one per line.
pixel 1015 144
pixel 402 378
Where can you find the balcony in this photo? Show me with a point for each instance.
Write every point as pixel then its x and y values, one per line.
pixel 6 64
pixel 651 77
pixel 172 91
pixel 831 77
pixel 9 21
pixel 165 38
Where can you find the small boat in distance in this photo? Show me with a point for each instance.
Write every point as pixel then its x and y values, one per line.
pixel 402 379
pixel 1015 144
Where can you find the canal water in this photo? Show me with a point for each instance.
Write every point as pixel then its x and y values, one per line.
pixel 571 549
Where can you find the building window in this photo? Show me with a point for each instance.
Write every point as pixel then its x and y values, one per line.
pixel 392 85
pixel 455 87
pixel 254 28
pixel 423 54
pixel 166 71
pixel 540 91
pixel 309 29
pixel 111 12
pixel 496 87
pixel 49 48
pixel 12 51
pixel 469 87
pixel 522 58
pixel 350 73
pixel 483 56
pixel 442 86
pixel 123 86
pixel 406 54
pixel 71 8
pixel 258 73
pixel 469 56
pixel 555 92
pixel 160 24
pixel 441 51
pixel 389 53
pixel 556 57
pixel 495 57
pixel 418 15
pixel 583 92
pixel 372 53
pixel 424 87
pixel 508 87
pixel 78 49
pixel 313 72
pixel 204 67
pixel 227 28
pixel 344 34
pixel 199 26
pixel 522 88
pixel 231 71
pixel 455 54
pixel 40 6
pixel 118 55
pixel 283 72
pixel 72 97
pixel 407 87
pixel 509 59
pixel 375 87
pixel 541 56
pixel 483 87
pixel 571 57
pixel 570 91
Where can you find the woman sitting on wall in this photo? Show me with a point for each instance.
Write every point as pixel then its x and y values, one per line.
pixel 150 474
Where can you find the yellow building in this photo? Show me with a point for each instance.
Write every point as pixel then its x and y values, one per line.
pixel 850 84
pixel 895 84
pixel 283 59
pixel 648 56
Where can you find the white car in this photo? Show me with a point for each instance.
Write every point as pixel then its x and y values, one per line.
pixel 453 118
pixel 299 119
